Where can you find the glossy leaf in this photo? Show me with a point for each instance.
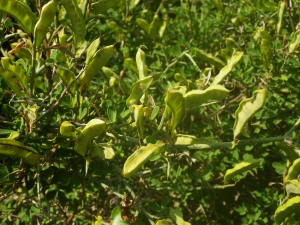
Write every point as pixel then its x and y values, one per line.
pixel 141 64
pixel 98 60
pixel 287 209
pixel 247 108
pixel 176 104
pixel 225 70
pixel 293 171
pixel 91 50
pixel 141 156
pixel 21 12
pixel 93 128
pixel 162 222
pixel 138 114
pixel 292 187
pixel 14 148
pixel 190 140
pixel 67 129
pixel 212 93
pixel 74 13
pixel 240 168
pixel 138 89
pixel 12 81
pixel 102 150
pixel 16 69
pixel 280 11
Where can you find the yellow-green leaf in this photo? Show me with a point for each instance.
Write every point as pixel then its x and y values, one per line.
pixel 291 206
pixel 177 216
pixel 247 108
pixel 225 70
pixel 240 168
pixel 141 156
pixel 138 89
pixel 175 103
pixel 140 62
pixel 190 140
pixel 293 171
pixel 198 97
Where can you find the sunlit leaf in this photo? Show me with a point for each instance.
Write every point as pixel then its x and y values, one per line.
pixel 138 89
pixel 247 108
pixel 176 104
pixel 212 93
pixel 141 156
pixel 240 168
pixel 225 70
pixel 287 209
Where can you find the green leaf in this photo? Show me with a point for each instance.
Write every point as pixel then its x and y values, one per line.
pixel 131 64
pixel 240 168
pixel 116 218
pixel 138 89
pixel 293 45
pixel 290 151
pixel 154 207
pixel 162 222
pixel 176 216
pixel 280 11
pixel 17 70
pixel 190 140
pixel 6 131
pixel 62 198
pixel 102 6
pixel 247 108
pixel 112 114
pixel 292 186
pixel 176 104
pixel 287 209
pixel 102 150
pixel 140 62
pixel 225 70
pixel 209 58
pixel 212 93
pixel 91 50
pixel 138 114
pixel 141 156
pixel 3 173
pixel 78 23
pixel 98 221
pixel 266 52
pixel 143 24
pixel 67 77
pixel 154 27
pixel 279 168
pixel 293 171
